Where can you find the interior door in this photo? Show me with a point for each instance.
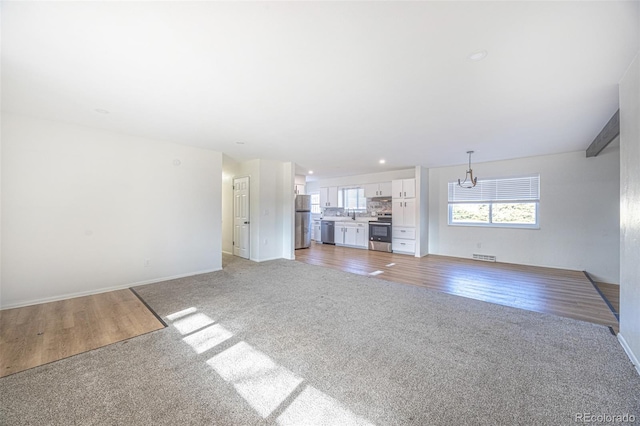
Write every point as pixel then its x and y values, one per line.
pixel 241 217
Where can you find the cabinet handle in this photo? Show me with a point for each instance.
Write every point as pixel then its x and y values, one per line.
pixel 405 204
pixel 400 194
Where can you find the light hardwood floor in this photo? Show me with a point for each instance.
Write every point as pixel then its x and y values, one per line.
pixel 39 334
pixel 612 293
pixel 554 291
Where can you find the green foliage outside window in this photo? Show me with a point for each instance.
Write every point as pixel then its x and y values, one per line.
pixel 497 213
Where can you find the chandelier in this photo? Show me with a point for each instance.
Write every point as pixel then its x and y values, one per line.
pixel 469 181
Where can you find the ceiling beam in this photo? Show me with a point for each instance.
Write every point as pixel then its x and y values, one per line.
pixel 608 133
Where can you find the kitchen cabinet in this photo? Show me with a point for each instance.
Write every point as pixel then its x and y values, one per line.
pixel 403 240
pixel 329 196
pixel 404 233
pixel 404 212
pixel 382 189
pixel 352 234
pixel 362 235
pixel 403 207
pixel 403 188
pixel 317 234
pixel 403 246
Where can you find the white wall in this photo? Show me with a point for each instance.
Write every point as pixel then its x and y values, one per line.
pixel 579 215
pixel 630 212
pixel 360 179
pixel 286 210
pixel 300 180
pixel 422 205
pixel 270 212
pixel 83 209
pixel 230 169
pixel 271 208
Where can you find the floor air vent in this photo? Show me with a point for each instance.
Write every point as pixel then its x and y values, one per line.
pixel 484 257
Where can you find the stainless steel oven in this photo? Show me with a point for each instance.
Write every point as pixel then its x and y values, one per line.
pixel 380 234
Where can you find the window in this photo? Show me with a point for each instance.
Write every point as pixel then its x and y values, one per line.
pixel 505 202
pixel 315 203
pixel 352 199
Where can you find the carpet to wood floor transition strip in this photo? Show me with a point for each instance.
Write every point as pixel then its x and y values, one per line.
pixel 149 307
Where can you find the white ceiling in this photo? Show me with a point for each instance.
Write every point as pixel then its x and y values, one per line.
pixel 331 86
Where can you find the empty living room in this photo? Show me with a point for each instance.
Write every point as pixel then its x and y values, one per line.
pixel 320 212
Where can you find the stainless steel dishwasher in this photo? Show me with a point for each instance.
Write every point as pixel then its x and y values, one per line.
pixel 327 228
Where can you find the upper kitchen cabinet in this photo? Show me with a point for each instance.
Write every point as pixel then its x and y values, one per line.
pixel 298 189
pixel 382 189
pixel 329 196
pixel 403 188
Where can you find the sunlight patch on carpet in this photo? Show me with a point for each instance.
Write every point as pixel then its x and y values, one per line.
pixel 313 407
pixel 183 313
pixel 208 338
pixel 264 384
pixel 259 380
pixel 192 322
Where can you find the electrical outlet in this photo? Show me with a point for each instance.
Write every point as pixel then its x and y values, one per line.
pixel 147 262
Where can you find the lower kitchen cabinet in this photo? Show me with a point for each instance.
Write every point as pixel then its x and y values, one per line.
pixel 403 240
pixel 403 246
pixel 317 234
pixel 352 234
pixel 362 235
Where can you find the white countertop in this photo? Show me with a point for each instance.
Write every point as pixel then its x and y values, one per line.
pixel 348 219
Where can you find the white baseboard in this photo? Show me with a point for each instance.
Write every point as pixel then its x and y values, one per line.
pixel 227 252
pixel 630 353
pixel 268 259
pixel 101 290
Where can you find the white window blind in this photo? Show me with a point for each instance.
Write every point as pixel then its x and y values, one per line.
pixel 514 189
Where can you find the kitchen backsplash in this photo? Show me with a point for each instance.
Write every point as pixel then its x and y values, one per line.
pixel 374 207
pixel 379 206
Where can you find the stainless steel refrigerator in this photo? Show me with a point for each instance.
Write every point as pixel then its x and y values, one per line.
pixel 303 221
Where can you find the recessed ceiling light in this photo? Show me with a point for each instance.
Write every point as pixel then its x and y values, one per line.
pixel 240 143
pixel 477 56
pixel 101 111
pixel 382 161
pixel 310 172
